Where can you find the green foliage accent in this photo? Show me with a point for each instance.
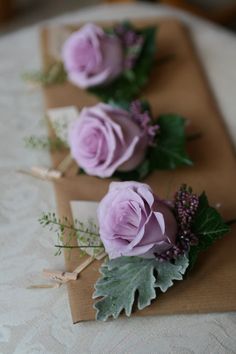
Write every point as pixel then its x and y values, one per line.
pixel 128 85
pixel 170 149
pixel 44 143
pixel 87 235
pixel 126 105
pixel 142 171
pixel 55 74
pixel 125 277
pixel 208 225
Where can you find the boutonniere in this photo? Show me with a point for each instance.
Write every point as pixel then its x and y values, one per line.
pixel 149 242
pixel 106 140
pixel 113 62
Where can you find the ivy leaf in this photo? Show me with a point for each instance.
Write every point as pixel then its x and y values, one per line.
pixel 208 225
pixel 128 85
pixel 125 277
pixel 170 151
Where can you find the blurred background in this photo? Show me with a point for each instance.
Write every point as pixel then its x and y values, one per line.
pixel 17 13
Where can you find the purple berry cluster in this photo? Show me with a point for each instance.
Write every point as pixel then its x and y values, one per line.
pixel 144 120
pixel 185 206
pixel 168 255
pixel 132 42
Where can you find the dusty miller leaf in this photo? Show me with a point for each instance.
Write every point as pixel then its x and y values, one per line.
pixel 125 277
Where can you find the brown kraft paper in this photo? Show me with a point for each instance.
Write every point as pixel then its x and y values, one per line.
pixel 176 85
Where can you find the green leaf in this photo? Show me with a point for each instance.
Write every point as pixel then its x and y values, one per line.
pixel 126 105
pixel 170 150
pixel 208 225
pixel 135 175
pixel 128 85
pixel 125 277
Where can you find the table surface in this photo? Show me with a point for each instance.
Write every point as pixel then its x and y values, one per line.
pixel 39 321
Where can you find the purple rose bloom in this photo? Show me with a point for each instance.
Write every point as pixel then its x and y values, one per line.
pixel 104 139
pixel 92 57
pixel 134 222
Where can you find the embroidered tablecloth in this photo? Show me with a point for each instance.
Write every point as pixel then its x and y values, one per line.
pixel 38 321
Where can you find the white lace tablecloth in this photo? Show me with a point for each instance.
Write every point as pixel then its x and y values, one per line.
pixel 39 321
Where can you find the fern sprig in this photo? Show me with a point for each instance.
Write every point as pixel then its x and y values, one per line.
pixel 44 143
pixel 50 219
pixel 55 74
pixel 87 235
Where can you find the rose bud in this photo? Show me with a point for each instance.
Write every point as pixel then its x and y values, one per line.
pixel 104 139
pixel 134 222
pixel 91 57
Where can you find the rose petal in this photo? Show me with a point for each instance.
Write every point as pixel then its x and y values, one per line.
pixel 92 57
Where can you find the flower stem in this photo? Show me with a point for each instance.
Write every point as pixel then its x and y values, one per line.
pixel 67 246
pixel 70 227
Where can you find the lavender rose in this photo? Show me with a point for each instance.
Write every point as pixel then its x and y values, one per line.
pixel 104 139
pixel 91 57
pixel 134 222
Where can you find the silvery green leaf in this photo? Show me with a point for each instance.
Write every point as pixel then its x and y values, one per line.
pixel 167 272
pixel 125 277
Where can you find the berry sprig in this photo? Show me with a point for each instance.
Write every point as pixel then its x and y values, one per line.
pixel 185 206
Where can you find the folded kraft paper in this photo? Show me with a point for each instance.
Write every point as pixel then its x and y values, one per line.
pixel 178 84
